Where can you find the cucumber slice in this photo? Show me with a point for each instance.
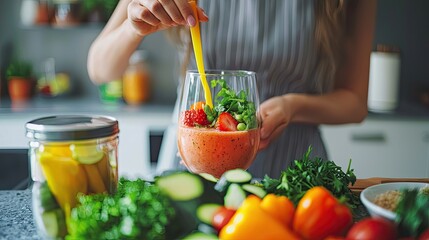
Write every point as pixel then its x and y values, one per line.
pixel 206 228
pixel 86 154
pixel 54 223
pixel 254 189
pixel 209 177
pixel 47 199
pixel 200 236
pixel 206 211
pixel 181 186
pixel 238 176
pixel 234 196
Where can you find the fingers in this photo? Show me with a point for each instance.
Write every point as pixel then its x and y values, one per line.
pixel 187 16
pixel 202 16
pixel 273 135
pixel 275 118
pixel 166 12
pixel 139 13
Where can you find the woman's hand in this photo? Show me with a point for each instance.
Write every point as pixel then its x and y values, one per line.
pixel 148 16
pixel 275 113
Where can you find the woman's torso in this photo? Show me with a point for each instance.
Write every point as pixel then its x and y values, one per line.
pixel 275 39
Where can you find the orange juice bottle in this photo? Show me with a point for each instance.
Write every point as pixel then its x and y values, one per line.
pixel 136 80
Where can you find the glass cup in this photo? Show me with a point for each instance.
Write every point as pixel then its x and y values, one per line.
pixel 214 139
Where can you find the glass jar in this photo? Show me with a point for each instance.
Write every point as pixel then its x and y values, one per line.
pixel 136 80
pixel 69 155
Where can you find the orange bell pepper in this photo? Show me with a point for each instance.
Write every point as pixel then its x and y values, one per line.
pixel 280 207
pixel 319 215
pixel 252 222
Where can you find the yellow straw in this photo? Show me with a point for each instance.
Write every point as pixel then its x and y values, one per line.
pixel 196 42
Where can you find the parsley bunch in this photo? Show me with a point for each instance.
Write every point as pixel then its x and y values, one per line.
pixel 227 100
pixel 306 173
pixel 137 210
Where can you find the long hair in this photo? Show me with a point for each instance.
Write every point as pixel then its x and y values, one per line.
pixel 328 35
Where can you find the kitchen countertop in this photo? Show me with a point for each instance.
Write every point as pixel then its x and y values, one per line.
pixel 40 105
pixel 16 219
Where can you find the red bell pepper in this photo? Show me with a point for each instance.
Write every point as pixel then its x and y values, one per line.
pixel 319 215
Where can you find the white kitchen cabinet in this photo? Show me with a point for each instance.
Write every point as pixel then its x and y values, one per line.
pixel 381 147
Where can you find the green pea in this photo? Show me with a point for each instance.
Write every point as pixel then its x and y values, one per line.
pixel 241 127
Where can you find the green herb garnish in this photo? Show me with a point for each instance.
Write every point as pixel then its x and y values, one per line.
pixel 412 214
pixel 306 173
pixel 226 100
pixel 137 210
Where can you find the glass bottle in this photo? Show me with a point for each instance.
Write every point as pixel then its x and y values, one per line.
pixel 136 79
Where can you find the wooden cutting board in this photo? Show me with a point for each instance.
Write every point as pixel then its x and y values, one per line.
pixel 361 184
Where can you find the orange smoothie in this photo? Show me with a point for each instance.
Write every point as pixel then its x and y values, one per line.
pixel 208 150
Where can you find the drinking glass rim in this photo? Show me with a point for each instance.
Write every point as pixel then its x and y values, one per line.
pixel 216 72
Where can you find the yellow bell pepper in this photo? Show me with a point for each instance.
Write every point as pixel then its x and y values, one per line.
pixel 95 181
pixel 66 178
pixel 251 221
pixel 103 169
pixel 280 207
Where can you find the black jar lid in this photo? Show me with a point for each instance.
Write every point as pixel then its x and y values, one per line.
pixel 71 127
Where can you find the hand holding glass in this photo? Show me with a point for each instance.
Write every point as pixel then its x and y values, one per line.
pixel 214 140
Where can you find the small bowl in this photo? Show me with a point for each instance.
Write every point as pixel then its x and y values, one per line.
pixel 369 194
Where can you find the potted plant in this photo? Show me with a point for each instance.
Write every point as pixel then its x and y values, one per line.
pixel 99 10
pixel 20 79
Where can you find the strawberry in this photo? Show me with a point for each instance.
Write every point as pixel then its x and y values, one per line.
pixel 193 117
pixel 226 122
pixel 187 118
pixel 200 117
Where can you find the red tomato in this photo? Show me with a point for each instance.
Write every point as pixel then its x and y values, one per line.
pixel 222 217
pixel 424 235
pixel 373 228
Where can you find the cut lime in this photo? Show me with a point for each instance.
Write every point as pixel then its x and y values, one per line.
pixel 86 154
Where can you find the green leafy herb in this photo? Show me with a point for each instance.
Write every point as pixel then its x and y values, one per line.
pixel 307 173
pixel 19 69
pixel 138 210
pixel 412 214
pixel 227 100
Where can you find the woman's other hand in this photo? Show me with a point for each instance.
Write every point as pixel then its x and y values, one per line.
pixel 275 113
pixel 148 16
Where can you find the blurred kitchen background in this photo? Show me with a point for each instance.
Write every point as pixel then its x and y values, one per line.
pixel 394 138
pixel 68 41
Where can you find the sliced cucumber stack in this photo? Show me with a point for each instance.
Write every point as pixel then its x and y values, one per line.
pixel 237 176
pixel 193 198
